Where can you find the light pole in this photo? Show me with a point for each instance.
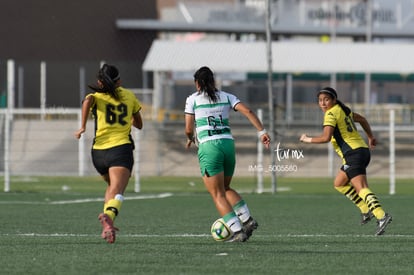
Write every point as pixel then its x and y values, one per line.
pixel 270 90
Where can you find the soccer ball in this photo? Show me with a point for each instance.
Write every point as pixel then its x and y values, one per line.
pixel 220 231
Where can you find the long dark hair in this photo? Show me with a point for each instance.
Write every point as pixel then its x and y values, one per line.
pixel 205 78
pixel 108 75
pixel 333 94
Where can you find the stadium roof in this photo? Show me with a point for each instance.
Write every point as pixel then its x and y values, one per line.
pixel 243 28
pixel 288 57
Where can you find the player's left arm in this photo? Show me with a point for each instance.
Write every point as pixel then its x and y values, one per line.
pixel 372 141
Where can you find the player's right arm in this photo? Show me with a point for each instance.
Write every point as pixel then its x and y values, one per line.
pixel 189 129
pixel 189 120
pixel 325 137
pixel 86 106
pixel 255 121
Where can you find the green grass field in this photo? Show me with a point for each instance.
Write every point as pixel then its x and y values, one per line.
pixel 49 225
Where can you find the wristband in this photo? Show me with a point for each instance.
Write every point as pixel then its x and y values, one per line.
pixel 307 140
pixel 261 133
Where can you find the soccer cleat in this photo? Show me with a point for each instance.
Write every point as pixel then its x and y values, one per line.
pixel 238 237
pixel 108 229
pixel 382 224
pixel 249 226
pixel 366 217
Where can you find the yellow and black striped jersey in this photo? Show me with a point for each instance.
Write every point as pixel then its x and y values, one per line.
pixel 346 136
pixel 113 118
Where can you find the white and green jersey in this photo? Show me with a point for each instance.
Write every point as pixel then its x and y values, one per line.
pixel 211 118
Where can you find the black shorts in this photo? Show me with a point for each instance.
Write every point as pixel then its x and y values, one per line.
pixel 121 155
pixel 356 162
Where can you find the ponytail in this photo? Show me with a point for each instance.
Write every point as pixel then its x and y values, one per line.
pixel 108 75
pixel 205 78
pixel 345 108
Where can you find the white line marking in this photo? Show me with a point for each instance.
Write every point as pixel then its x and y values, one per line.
pixel 203 235
pixel 138 197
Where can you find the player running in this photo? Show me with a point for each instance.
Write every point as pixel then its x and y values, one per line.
pixel 339 128
pixel 208 111
pixel 115 109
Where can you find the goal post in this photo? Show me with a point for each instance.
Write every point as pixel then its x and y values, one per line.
pixel 392 151
pixel 8 121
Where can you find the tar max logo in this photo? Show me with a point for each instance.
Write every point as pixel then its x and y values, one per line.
pixel 283 154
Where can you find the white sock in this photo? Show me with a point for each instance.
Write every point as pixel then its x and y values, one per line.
pixel 234 224
pixel 242 212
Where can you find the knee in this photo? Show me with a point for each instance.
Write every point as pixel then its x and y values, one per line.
pixel 340 183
